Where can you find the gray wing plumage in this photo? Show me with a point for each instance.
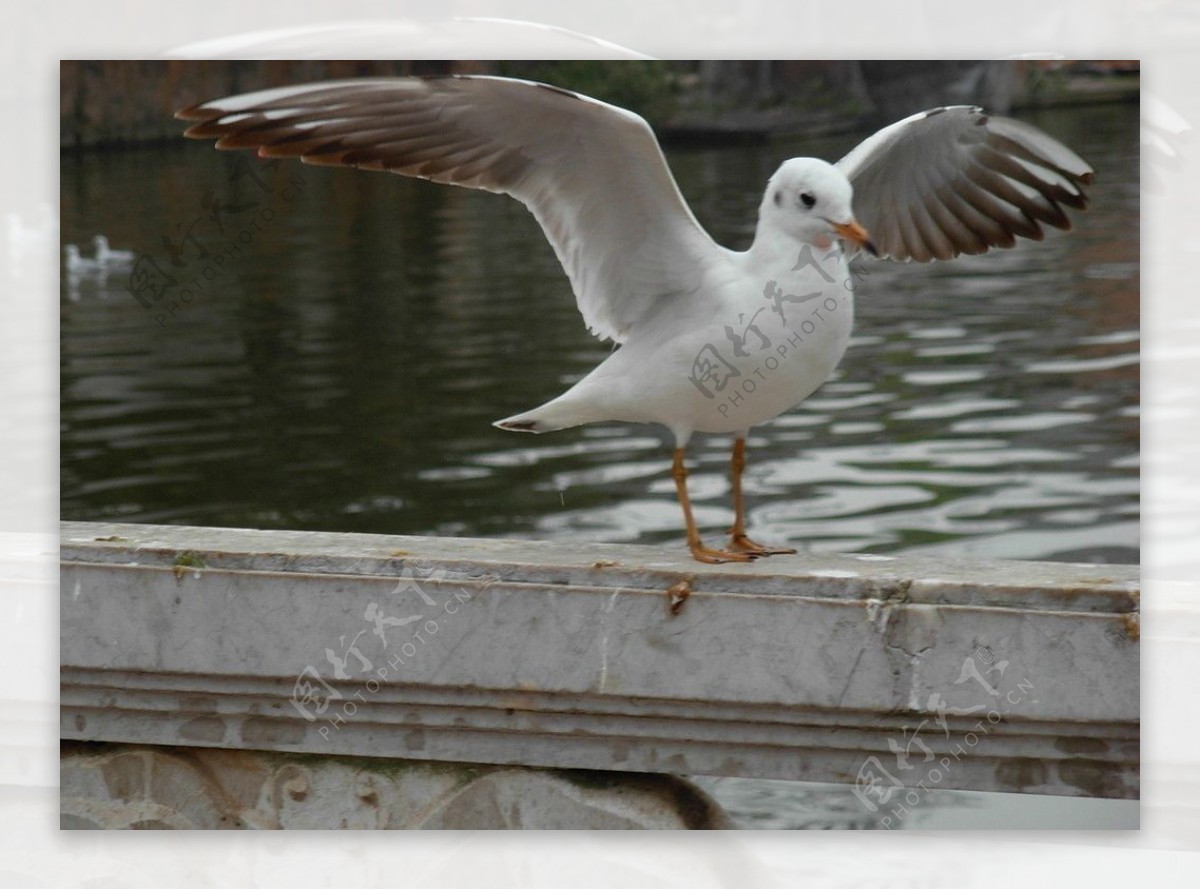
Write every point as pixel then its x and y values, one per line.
pixel 592 174
pixel 954 180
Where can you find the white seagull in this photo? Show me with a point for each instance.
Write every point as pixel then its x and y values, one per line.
pixel 81 269
pixel 711 340
pixel 80 266
pixel 106 255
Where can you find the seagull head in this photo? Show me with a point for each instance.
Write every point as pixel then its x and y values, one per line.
pixel 810 200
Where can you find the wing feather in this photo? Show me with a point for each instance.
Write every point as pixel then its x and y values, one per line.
pixel 954 180
pixel 593 175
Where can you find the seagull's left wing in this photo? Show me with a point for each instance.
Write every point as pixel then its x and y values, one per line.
pixel 592 174
pixel 954 180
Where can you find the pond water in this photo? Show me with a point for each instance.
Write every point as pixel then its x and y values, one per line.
pixel 337 358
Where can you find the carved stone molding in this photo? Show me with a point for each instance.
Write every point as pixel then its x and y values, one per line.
pixel 144 787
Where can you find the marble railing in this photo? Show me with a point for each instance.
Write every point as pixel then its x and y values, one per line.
pixel 225 677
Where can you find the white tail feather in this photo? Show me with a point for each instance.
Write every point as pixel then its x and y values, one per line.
pixel 557 414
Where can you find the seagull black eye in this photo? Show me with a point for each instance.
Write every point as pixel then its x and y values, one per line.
pixel 778 199
pixel 807 199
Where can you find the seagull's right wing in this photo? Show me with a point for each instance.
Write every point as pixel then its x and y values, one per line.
pixel 954 180
pixel 593 174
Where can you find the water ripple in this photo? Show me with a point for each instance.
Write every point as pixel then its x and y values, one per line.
pixel 344 374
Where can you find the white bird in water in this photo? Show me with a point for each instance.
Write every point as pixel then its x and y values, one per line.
pixel 80 266
pixel 82 269
pixel 107 256
pixel 711 340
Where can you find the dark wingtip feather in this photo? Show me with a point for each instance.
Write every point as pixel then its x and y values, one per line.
pixel 198 112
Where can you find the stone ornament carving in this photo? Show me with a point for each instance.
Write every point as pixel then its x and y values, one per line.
pixel 145 787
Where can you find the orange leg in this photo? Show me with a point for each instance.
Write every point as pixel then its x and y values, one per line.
pixel 738 539
pixel 699 551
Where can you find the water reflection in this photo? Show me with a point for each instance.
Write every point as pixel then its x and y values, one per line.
pixel 341 372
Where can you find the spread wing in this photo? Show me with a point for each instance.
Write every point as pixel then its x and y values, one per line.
pixel 592 174
pixel 954 180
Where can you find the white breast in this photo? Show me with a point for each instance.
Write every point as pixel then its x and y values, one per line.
pixel 801 325
pixel 750 356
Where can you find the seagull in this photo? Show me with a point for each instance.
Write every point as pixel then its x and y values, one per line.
pixel 77 262
pixel 107 256
pixel 79 266
pixel 81 269
pixel 710 340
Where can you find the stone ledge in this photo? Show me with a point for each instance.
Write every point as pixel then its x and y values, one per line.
pixel 508 652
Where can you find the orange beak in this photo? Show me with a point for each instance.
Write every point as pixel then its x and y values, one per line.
pixel 856 234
